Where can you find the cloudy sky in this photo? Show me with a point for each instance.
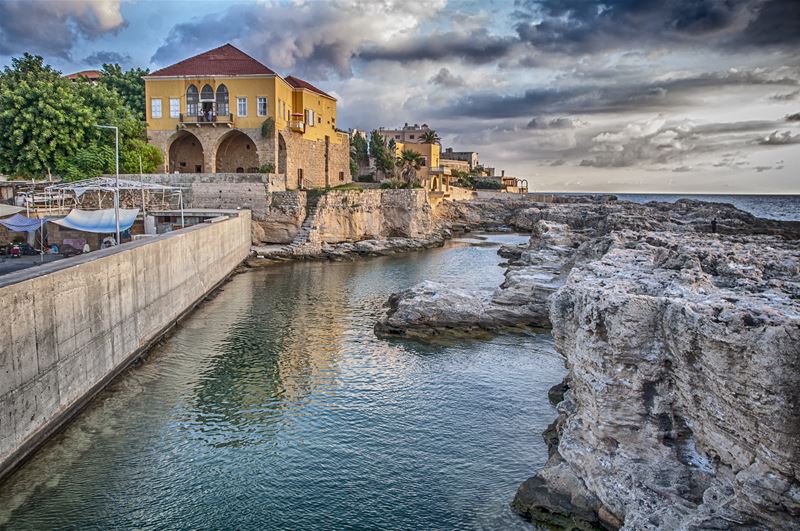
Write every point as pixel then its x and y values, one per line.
pixel 623 95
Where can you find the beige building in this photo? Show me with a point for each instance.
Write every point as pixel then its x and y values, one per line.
pixel 407 134
pixel 470 157
pixel 223 112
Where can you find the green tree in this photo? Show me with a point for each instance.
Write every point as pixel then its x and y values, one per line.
pixel 384 160
pixel 430 137
pixel 128 84
pixel 43 119
pixel 409 162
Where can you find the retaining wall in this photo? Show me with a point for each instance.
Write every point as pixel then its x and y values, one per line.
pixel 71 326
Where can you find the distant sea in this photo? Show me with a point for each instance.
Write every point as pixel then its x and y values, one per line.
pixel 783 207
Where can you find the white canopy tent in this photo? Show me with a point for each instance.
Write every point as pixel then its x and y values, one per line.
pixel 109 184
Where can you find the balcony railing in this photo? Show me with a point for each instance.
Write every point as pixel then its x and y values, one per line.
pixel 296 124
pixel 207 118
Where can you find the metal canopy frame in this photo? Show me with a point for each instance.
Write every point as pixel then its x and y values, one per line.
pixel 111 184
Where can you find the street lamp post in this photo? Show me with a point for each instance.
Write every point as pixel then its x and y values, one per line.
pixel 116 182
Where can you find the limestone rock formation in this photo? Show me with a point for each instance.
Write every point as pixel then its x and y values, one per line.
pixel 684 366
pixel 681 408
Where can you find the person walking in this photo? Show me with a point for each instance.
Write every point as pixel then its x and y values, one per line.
pixel 714 225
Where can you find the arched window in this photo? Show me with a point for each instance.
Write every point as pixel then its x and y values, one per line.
pixel 222 101
pixel 191 101
pixel 207 94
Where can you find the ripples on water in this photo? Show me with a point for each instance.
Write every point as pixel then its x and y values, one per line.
pixel 275 407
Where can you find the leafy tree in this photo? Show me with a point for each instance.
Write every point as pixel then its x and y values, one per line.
pixel 43 119
pixel 430 137
pixel 359 152
pixel 129 85
pixel 384 160
pixel 409 162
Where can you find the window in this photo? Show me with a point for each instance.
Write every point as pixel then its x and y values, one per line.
pixel 241 106
pixel 397 137
pixel 207 94
pixel 192 97
pixel 341 176
pixel 262 106
pixel 423 161
pixel 310 119
pixel 155 107
pixel 319 119
pixel 411 137
pixel 222 101
pixel 174 107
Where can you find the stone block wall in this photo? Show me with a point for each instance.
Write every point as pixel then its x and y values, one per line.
pixel 74 324
pixel 322 161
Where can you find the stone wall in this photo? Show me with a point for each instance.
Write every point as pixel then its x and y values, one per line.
pixel 321 161
pixel 71 326
pixel 372 214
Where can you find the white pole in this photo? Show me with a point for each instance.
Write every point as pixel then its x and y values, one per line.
pixel 180 195
pixel 141 183
pixel 116 182
pixel 116 195
pixel 41 239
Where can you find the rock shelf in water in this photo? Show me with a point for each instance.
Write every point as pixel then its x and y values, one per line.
pixel 681 408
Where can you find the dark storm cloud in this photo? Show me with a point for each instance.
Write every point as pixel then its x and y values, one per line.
pixel 477 46
pixel 644 96
pixel 793 117
pixel 553 123
pixel 580 27
pixel 447 79
pixel 103 57
pixel 53 27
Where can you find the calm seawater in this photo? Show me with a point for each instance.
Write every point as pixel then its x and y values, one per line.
pixel 275 407
pixel 783 207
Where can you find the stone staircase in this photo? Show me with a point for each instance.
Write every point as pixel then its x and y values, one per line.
pixel 301 239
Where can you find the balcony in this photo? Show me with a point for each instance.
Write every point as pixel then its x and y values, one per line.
pixel 297 124
pixel 212 119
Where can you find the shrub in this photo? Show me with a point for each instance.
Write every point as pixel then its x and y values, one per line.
pixel 268 128
pixel 267 168
pixel 366 178
pixel 488 185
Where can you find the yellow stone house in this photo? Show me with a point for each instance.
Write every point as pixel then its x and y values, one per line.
pixel 431 175
pixel 224 112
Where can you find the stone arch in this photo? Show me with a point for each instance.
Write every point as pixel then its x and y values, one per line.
pixel 236 153
pixel 281 154
pixel 223 106
pixel 185 153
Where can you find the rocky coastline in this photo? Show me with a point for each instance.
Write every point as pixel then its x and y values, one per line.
pixel 681 407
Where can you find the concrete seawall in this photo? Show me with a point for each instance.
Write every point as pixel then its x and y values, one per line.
pixel 71 326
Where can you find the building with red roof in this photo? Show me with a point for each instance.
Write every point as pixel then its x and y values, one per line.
pixel 223 111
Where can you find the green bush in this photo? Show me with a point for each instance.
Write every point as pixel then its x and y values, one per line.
pixel 268 128
pixel 488 185
pixel 366 178
pixel 399 184
pixel 267 168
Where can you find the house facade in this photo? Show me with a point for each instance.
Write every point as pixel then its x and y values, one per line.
pixel 224 112
pixel 407 134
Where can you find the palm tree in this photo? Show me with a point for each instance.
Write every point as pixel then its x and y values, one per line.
pixel 430 137
pixel 409 162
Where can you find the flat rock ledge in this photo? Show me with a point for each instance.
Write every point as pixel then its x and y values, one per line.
pixel 681 406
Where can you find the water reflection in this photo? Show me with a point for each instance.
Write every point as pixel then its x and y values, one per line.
pixel 274 406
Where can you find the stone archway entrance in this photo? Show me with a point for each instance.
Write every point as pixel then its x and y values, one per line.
pixel 186 154
pixel 236 154
pixel 281 154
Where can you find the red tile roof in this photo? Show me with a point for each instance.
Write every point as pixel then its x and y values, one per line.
pixel 88 74
pixel 226 60
pixel 296 82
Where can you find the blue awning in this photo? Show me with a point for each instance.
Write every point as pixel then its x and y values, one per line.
pixel 100 221
pixel 20 223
